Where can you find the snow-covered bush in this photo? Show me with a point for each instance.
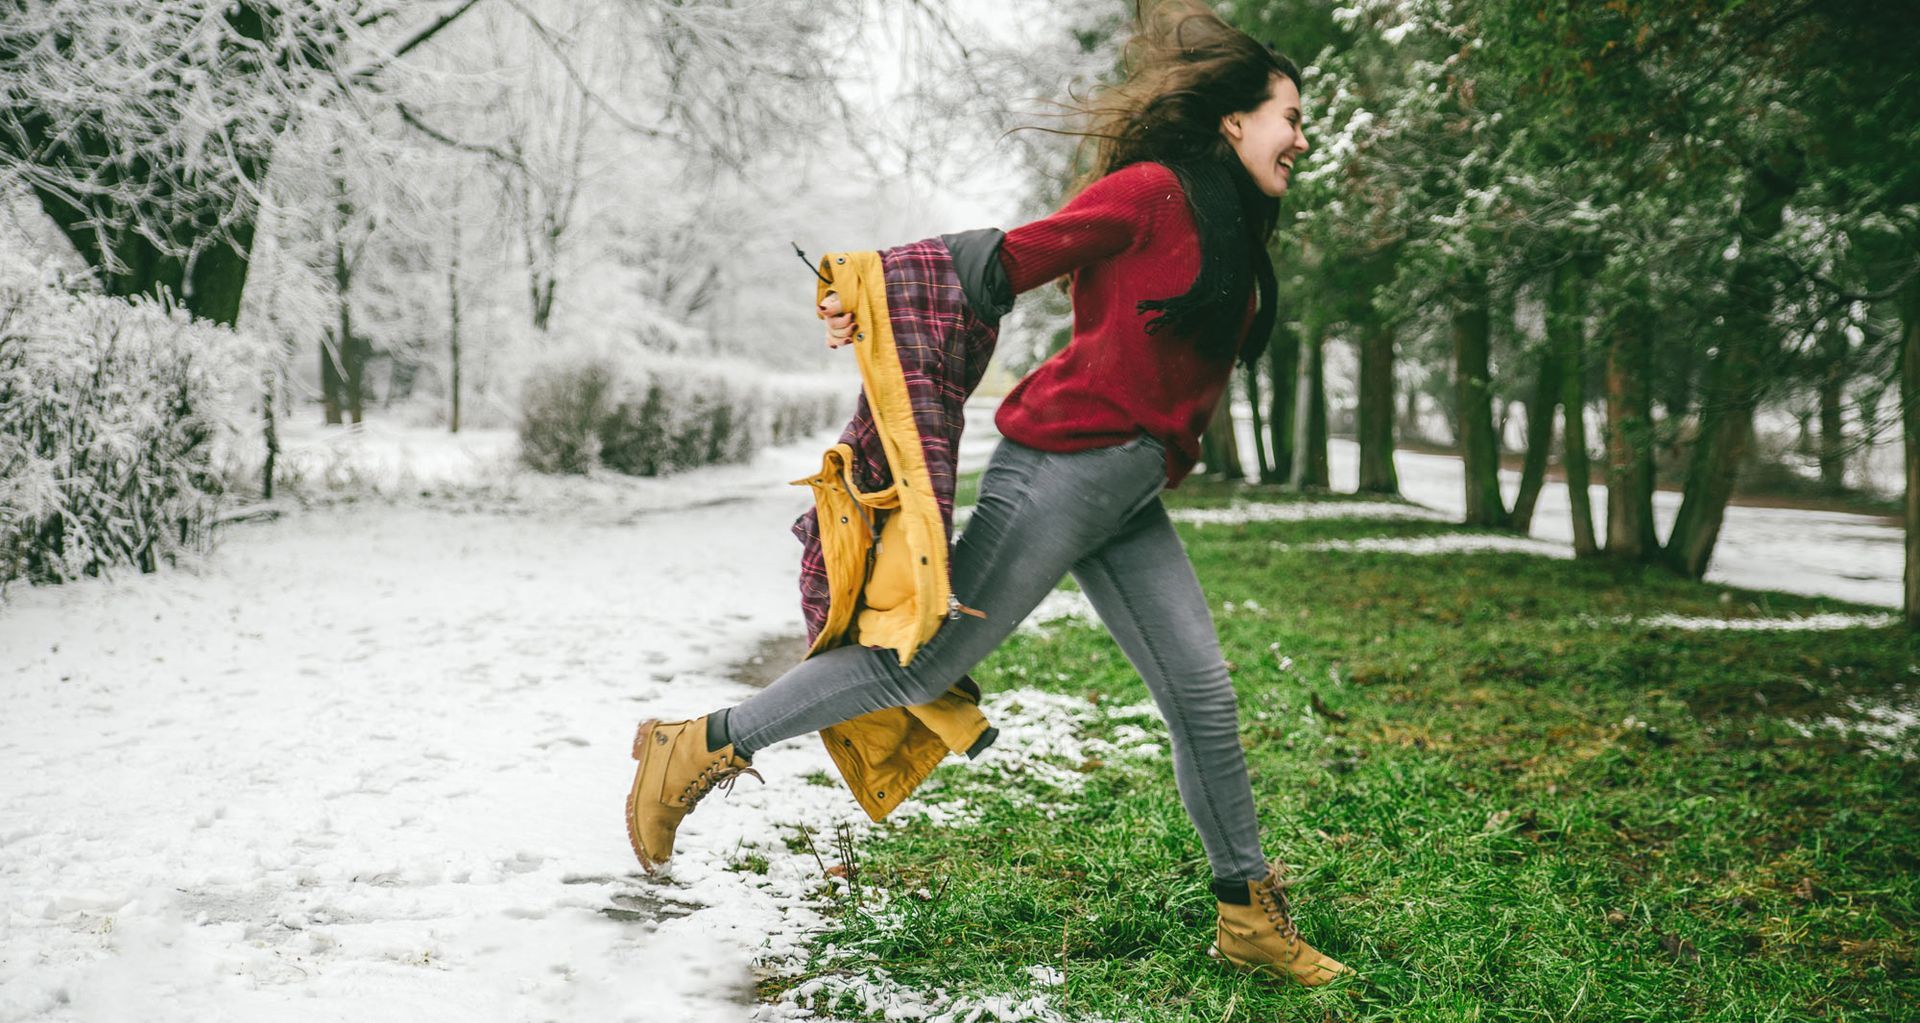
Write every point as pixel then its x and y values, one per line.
pixel 650 414
pixel 567 410
pixel 110 412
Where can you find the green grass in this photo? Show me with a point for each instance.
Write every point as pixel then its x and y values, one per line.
pixel 1528 812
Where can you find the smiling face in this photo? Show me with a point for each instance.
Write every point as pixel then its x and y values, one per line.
pixel 1268 137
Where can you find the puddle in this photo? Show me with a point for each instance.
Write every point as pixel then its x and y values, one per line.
pixel 638 906
pixel 644 899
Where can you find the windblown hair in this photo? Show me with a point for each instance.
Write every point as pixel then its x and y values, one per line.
pixel 1183 69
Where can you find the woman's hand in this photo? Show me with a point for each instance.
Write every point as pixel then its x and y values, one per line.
pixel 840 325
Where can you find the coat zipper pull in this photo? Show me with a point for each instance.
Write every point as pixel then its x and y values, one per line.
pixel 954 608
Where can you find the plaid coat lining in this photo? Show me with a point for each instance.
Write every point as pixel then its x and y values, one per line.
pixel 943 348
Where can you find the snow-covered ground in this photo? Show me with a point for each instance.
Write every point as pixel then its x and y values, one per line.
pixel 364 762
pixel 1852 557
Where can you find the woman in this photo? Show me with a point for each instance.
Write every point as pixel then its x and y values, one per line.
pixel 1170 282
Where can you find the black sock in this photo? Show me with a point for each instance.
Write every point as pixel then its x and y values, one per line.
pixel 716 730
pixel 1234 892
pixel 717 735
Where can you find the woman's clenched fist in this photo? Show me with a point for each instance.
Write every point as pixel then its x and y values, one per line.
pixel 840 325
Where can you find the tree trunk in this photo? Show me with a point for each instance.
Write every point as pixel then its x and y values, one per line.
pixel 1735 375
pixel 1573 399
pixel 1297 477
pixel 1833 358
pixel 335 366
pixel 1284 373
pixel 1374 418
pixel 1910 420
pixel 1540 408
pixel 453 314
pixel 543 303
pixel 332 382
pixel 1630 478
pixel 1260 465
pixel 1566 328
pixel 1479 453
pixel 1316 453
pixel 271 428
pixel 357 351
pixel 1309 397
pixel 453 341
pixel 332 389
pixel 1726 429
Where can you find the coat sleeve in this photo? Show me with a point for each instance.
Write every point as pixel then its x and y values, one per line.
pixel 983 278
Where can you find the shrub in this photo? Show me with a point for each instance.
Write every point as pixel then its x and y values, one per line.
pixel 635 434
pixel 566 410
pixel 649 415
pixel 110 414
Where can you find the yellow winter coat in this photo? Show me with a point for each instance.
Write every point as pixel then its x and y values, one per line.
pixel 892 592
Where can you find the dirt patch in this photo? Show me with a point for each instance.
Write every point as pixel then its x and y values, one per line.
pixel 768 660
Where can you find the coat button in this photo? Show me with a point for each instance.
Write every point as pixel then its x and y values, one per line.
pixel 859 337
pixel 846 742
pixel 843 518
pixel 879 795
pixel 842 259
pixel 923 559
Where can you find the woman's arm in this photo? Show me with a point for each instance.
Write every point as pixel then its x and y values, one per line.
pixel 1108 217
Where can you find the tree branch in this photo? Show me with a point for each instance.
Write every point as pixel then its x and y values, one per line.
pixel 545 35
pixel 417 39
pixel 414 121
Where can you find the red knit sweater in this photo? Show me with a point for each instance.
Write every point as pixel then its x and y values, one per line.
pixel 1127 237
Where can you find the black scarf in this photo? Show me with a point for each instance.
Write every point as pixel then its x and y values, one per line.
pixel 1222 197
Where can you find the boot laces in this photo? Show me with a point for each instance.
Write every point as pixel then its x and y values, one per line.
pixel 719 774
pixel 1272 891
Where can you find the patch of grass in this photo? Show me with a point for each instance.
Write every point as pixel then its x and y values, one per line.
pixel 752 863
pixel 1524 809
pixel 1199 492
pixel 966 488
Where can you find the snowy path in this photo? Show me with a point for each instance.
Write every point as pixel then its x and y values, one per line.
pixel 365 764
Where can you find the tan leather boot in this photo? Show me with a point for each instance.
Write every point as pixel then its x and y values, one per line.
pixel 1260 936
pixel 676 770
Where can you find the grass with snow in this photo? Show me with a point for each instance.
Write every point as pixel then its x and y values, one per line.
pixel 1541 792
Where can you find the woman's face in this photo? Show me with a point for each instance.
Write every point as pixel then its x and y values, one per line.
pixel 1268 137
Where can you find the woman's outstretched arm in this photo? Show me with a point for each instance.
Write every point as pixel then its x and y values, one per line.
pixel 1113 214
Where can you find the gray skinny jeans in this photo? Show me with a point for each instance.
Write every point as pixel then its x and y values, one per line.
pixel 1095 513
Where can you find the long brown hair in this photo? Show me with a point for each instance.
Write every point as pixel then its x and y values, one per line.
pixel 1183 69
